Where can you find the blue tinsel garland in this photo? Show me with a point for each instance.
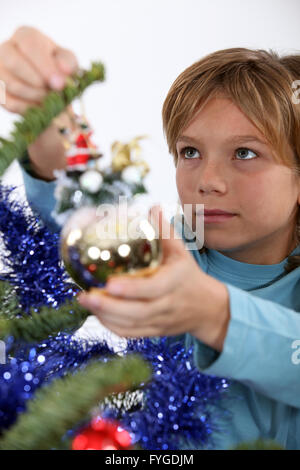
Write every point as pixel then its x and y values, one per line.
pixel 178 401
pixel 31 257
pixel 181 406
pixel 37 365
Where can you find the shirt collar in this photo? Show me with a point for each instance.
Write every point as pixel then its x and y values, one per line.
pixel 228 265
pixel 238 268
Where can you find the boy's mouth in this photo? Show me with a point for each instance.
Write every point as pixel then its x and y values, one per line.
pixel 210 212
pixel 214 215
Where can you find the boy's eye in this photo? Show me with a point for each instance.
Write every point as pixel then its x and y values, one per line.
pixel 244 153
pixel 188 152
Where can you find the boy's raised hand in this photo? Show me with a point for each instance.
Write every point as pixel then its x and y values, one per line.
pixel 31 63
pixel 178 298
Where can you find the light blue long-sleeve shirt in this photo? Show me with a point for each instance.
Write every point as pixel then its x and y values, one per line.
pixel 261 352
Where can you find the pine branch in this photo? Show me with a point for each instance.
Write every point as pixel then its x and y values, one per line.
pixel 48 321
pixel 66 402
pixel 37 119
pixel 9 302
pixel 259 444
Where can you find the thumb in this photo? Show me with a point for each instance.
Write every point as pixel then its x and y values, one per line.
pixel 66 60
pixel 170 240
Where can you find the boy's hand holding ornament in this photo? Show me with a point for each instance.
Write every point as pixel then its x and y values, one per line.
pixel 177 298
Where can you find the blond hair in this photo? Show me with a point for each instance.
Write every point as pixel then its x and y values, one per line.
pixel 260 83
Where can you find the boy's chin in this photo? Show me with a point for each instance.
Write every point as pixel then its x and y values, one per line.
pixel 218 245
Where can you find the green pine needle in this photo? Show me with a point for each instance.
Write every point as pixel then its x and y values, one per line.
pixel 37 119
pixel 48 321
pixel 9 302
pixel 66 402
pixel 259 444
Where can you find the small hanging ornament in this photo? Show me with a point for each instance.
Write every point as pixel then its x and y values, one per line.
pixel 131 175
pixel 91 181
pixel 127 155
pixel 80 149
pixel 102 434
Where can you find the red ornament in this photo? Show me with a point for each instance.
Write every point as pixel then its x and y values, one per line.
pixel 81 141
pixel 102 434
pixel 81 151
pixel 78 159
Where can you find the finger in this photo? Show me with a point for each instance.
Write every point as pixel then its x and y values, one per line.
pixel 117 321
pixel 20 89
pixel 171 242
pixel 162 326
pixel 18 66
pixel 123 320
pixel 16 105
pixel 162 282
pixel 161 322
pixel 125 310
pixel 66 60
pixel 97 302
pixel 124 332
pixel 40 50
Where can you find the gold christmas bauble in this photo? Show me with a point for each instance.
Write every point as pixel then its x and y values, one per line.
pixel 98 244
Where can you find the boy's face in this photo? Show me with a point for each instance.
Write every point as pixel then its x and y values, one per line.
pixel 240 177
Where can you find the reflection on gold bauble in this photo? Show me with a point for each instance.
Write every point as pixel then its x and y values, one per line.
pixel 94 247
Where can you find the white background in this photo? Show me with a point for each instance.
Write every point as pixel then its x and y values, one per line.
pixel 145 45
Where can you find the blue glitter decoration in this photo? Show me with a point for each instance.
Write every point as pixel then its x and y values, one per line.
pixel 31 256
pixel 176 409
pixel 178 402
pixel 34 366
pixel 18 382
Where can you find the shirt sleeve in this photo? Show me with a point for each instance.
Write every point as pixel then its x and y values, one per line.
pixel 40 195
pixel 258 349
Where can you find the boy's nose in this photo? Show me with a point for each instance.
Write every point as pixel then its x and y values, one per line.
pixel 211 177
